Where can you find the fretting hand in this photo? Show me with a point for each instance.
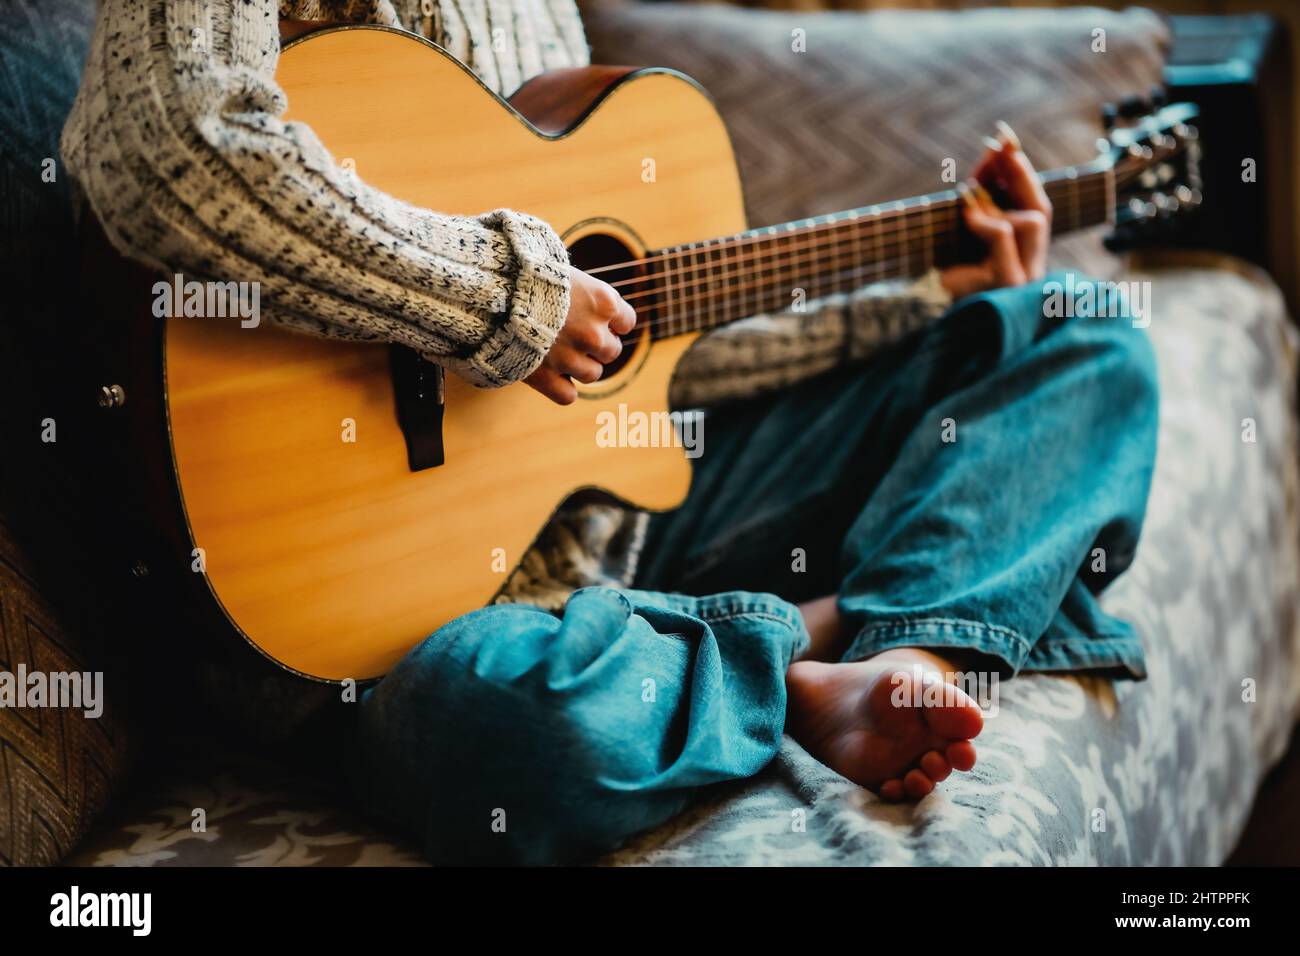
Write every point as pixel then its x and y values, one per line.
pixel 1016 238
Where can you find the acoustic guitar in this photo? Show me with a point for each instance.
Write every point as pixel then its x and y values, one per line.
pixel 335 553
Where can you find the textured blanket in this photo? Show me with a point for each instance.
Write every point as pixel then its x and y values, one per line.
pixel 1072 770
pixel 1077 770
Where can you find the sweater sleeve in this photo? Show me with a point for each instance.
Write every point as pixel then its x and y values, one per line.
pixel 178 143
pixel 770 352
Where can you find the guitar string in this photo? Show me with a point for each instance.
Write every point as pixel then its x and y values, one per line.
pixel 754 298
pixel 823 257
pixel 885 211
pixel 787 229
pixel 861 276
pixel 777 258
pixel 839 246
pixel 843 231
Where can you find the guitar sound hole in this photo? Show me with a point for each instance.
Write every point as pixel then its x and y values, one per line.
pixel 597 251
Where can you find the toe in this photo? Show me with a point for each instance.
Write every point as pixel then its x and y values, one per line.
pixel 917 784
pixel 892 790
pixel 961 755
pixel 957 716
pixel 935 766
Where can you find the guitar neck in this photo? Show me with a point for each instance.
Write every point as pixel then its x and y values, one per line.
pixel 699 286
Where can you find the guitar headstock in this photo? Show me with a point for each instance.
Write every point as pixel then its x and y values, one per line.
pixel 1156 162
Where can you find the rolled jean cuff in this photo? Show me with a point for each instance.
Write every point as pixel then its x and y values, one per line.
pixel 1009 646
pixel 728 605
pixel 1118 649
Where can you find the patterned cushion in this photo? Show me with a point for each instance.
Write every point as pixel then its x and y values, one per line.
pixel 878 100
pixel 58 768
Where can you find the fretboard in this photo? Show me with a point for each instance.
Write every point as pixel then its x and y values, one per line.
pixel 699 286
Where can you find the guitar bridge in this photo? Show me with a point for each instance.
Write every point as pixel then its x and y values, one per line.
pixel 419 393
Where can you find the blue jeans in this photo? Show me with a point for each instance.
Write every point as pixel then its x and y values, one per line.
pixel 974 486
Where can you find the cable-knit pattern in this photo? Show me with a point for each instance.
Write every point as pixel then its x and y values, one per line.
pixel 177 141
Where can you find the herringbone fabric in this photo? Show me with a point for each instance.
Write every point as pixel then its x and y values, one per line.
pixel 57 767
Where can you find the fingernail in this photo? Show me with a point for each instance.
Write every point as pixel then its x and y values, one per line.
pixel 1008 135
pixel 991 143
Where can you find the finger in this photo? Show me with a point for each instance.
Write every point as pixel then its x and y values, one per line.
pixel 625 320
pixel 610 347
pixel 1033 236
pixel 985 201
pixel 1024 186
pixel 553 385
pixel 1019 178
pixel 987 164
pixel 991 226
pixel 592 336
pixel 577 365
pixel 604 298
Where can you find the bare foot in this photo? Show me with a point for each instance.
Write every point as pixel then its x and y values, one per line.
pixel 827 634
pixel 889 723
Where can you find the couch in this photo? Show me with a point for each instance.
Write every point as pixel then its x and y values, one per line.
pixel 1073 769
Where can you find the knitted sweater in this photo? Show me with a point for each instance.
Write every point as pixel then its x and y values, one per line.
pixel 176 139
pixel 177 142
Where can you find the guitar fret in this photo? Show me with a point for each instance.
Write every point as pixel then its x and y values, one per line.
pixel 741 270
pixel 705 272
pixel 682 279
pixel 856 234
pixel 1073 175
pixel 880 243
pixel 927 237
pixel 838 234
pixel 773 275
pixel 730 303
pixel 901 208
pixel 743 265
pixel 697 286
pixel 670 313
pixel 684 271
pixel 709 258
pixel 1109 178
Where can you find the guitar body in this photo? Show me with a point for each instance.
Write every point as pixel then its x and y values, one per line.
pixel 331 556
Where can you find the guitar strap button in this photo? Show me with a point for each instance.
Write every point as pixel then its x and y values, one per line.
pixel 112 396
